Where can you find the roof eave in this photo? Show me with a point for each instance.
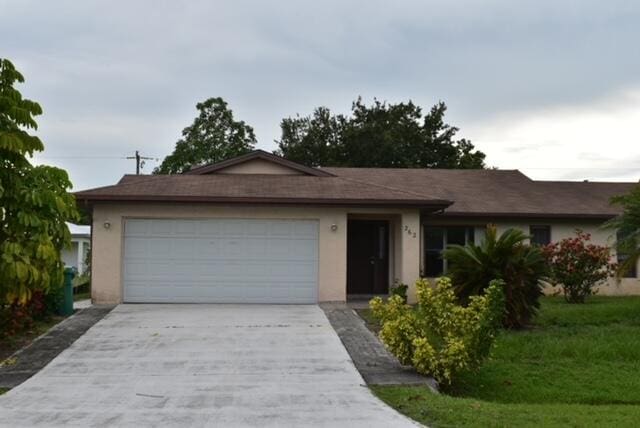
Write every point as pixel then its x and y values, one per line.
pixel 541 215
pixel 431 205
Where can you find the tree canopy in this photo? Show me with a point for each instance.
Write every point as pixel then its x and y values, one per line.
pixel 34 202
pixel 380 135
pixel 212 137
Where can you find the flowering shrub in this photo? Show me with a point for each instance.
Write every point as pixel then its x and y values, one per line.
pixel 439 337
pixel 578 266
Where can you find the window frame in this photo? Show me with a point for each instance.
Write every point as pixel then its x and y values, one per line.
pixel 468 238
pixel 547 227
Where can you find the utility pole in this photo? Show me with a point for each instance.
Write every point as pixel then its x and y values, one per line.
pixel 139 161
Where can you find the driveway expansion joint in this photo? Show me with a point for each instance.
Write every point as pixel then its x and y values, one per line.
pixel 374 362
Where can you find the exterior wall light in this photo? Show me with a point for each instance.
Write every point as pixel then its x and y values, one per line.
pixel 334 227
pixel 107 225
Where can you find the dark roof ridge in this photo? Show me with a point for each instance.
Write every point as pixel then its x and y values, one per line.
pixel 584 182
pixel 258 154
pixel 422 169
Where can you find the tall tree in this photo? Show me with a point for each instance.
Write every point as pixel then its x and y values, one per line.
pixel 213 137
pixel 380 135
pixel 34 202
pixel 314 140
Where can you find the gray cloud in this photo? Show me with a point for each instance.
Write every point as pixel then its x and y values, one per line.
pixel 118 76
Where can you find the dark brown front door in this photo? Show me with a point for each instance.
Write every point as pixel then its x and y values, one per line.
pixel 367 257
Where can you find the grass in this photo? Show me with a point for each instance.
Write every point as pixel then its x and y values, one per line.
pixel 10 345
pixel 578 366
pixel 82 296
pixel 3 390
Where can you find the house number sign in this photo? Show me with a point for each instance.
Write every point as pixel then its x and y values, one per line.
pixel 409 231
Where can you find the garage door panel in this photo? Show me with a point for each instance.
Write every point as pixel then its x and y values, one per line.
pixel 221 261
pixel 306 230
pixel 161 228
pixel 137 227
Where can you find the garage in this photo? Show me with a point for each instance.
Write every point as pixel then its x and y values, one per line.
pixel 220 261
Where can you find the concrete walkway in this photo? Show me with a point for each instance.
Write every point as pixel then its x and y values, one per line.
pixel 82 304
pixel 376 365
pixel 201 365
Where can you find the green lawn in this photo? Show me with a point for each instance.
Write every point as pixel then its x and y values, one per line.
pixel 578 366
pixel 82 296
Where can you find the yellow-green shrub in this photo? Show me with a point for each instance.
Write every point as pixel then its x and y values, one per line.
pixel 439 337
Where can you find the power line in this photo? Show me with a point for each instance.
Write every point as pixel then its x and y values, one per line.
pixel 139 161
pixel 79 157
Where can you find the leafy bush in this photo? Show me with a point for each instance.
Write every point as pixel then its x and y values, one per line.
pixel 439 337
pixel 509 258
pixel 399 289
pixel 578 266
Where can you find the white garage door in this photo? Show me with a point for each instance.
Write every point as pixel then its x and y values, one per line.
pixel 220 261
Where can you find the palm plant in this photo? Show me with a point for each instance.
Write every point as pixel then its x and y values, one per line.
pixel 509 258
pixel 627 225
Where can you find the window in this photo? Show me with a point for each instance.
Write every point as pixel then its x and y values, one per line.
pixel 436 239
pixel 540 235
pixel 622 257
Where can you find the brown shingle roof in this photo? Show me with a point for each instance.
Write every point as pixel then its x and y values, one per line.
pixel 506 193
pixel 498 192
pixel 247 188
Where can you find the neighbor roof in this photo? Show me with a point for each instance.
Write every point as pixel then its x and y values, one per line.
pixel 479 193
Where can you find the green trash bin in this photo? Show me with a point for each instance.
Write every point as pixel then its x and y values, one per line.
pixel 67 302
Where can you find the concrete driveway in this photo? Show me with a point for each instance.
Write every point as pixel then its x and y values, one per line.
pixel 201 365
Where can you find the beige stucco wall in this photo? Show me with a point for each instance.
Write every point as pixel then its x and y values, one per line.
pixel 332 273
pixel 258 166
pixel 409 235
pixel 561 229
pixel 599 236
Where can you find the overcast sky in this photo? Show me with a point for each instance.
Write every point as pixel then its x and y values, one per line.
pixel 548 87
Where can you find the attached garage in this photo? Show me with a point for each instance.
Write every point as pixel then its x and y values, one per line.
pixel 220 261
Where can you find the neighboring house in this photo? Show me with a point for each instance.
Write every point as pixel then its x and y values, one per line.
pixel 76 255
pixel 262 229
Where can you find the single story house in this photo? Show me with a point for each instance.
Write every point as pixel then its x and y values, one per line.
pixel 262 229
pixel 76 254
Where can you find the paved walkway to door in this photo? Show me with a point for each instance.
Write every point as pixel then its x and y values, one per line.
pixel 201 365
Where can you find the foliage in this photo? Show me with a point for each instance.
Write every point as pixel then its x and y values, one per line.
pixel 381 135
pixel 508 258
pixel 440 337
pixel 17 317
pixel 399 289
pixel 34 200
pixel 441 410
pixel 543 376
pixel 628 227
pixel 578 266
pixel 212 137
